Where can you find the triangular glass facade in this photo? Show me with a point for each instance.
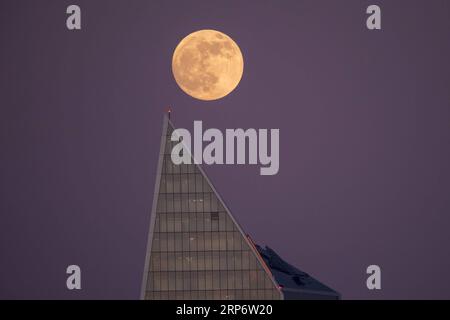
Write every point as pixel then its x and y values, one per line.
pixel 195 248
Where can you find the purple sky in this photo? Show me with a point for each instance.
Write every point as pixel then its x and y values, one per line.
pixel 364 139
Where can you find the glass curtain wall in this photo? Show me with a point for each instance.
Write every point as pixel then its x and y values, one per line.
pixel 197 251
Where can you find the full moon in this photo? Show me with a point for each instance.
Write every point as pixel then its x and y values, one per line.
pixel 207 64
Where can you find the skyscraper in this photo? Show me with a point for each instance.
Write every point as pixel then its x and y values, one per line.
pixel 197 250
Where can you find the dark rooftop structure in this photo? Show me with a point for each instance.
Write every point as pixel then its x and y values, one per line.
pixel 294 283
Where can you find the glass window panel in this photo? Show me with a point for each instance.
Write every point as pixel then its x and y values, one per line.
pixel 186 281
pixel 237 240
pixel 168 147
pixel 179 261
pixel 200 221
pixel 261 275
pixel 238 260
pixel 194 261
pixel 214 207
pixel 164 295
pixel 156 261
pixel 230 224
pixel 185 241
pixel 178 241
pixel 216 280
pixel 156 281
pixel 191 182
pixel 192 221
pixel 223 280
pixel 171 262
pixel 214 225
pixel 192 202
pixel 245 260
pixel 164 281
pixel 184 222
pixel 149 296
pixel 207 202
pixel 157 295
pixel 245 279
pixel 252 261
pixel 169 164
pixel 192 168
pixel 253 276
pixel 238 280
pixel 186 261
pixel 176 168
pixel 184 203
pixel 170 242
pixel 207 221
pixel 201 295
pixel 177 222
pixel 200 260
pixel 170 220
pixel 163 262
pixel 209 294
pixel 230 260
pixel 177 203
pixel 208 261
pixel 239 294
pixel 169 203
pixel 198 183
pixel 223 260
pixel 161 206
pixel 246 294
pixel 201 280
pixel 208 280
pixel 172 280
pixel 230 240
pixel 156 228
pixel 163 241
pixel 261 294
pixel 215 260
pixel 194 281
pixel 215 241
pixel 184 183
pixel 208 245
pixel 268 284
pixel 163 222
pixel 199 202
pixel 176 182
pixel 201 241
pixel 162 184
pixel 156 242
pixel 222 221
pixel 193 242
pixel 179 282
pixel 206 186
pixel 231 279
pixel 169 183
pixel 150 281
pixel 223 240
